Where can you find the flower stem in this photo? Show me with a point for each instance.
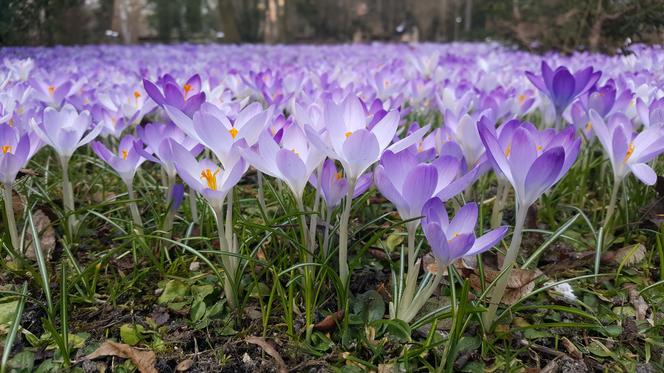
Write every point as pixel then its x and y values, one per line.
pixel 412 229
pixel 135 214
pixel 67 194
pixel 170 214
pixel 308 273
pixel 11 221
pixel 261 195
pixel 343 234
pixel 326 235
pixel 497 212
pixel 193 206
pixel 612 206
pixel 229 262
pixel 510 259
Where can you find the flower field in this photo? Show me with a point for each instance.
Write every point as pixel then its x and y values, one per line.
pixel 388 208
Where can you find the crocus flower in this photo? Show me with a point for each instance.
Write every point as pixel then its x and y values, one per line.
pixel 351 142
pixel 224 138
pixel 560 86
pixel 206 177
pixel 20 68
pixel 452 240
pixel 334 185
pixel 293 162
pixel 651 115
pixel 187 98
pixel 15 153
pixel 126 161
pixel 629 151
pixel 66 130
pixel 532 161
pixel 159 150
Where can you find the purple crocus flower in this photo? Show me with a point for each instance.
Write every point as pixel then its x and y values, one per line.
pixel 560 86
pixel 66 130
pixel 651 115
pixel 532 161
pixel 629 151
pixel 293 162
pixel 186 98
pixel 334 186
pixel 159 150
pixel 207 177
pixel 452 240
pixel 126 161
pixel 15 153
pixel 409 184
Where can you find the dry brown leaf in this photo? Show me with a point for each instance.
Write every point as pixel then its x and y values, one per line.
pixel 330 321
pixel 269 349
pixel 520 282
pixel 627 256
pixel 46 235
pixel 184 365
pixel 571 348
pixel 18 202
pixel 143 360
pixel 640 305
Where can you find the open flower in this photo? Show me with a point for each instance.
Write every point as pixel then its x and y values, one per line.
pixel 206 176
pixel 452 240
pixel 126 161
pixel 334 185
pixel 159 150
pixel 651 115
pixel 629 151
pixel 352 142
pixel 186 97
pixel 66 130
pixel 293 162
pixel 531 160
pixel 560 86
pixel 15 153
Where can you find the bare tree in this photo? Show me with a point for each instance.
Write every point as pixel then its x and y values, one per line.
pixel 228 25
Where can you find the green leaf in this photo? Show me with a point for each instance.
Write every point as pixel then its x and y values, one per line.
pixel 174 290
pixel 395 328
pixel 393 241
pixel 22 361
pixel 598 349
pixel 7 311
pixel 370 306
pixel 198 310
pixel 131 334
pixel 612 330
pixel 201 291
pixel 468 343
pixel 473 367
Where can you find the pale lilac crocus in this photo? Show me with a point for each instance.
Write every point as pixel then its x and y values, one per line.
pixel 348 138
pixel 532 161
pixel 214 183
pixel 651 115
pixel 125 162
pixel 14 156
pixel 65 131
pixel 628 152
pixel 186 97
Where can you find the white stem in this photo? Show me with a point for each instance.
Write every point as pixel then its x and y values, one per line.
pixel 193 206
pixel 135 214
pixel 343 233
pixel 11 221
pixel 510 259
pixel 67 194
pixel 229 262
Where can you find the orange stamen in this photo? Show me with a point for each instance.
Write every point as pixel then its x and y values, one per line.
pixel 210 177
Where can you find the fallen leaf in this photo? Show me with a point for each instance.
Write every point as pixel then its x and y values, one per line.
pixel 520 282
pixel 143 360
pixel 184 365
pixel 18 202
pixel 627 256
pixel 571 348
pixel 269 349
pixel 330 321
pixel 640 305
pixel 551 367
pixel 46 236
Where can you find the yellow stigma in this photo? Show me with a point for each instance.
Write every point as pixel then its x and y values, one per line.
pixel 630 151
pixel 124 154
pixel 521 98
pixel 589 126
pixel 348 134
pixel 294 151
pixel 508 151
pixel 210 177
pixel 339 175
pixel 539 148
pixel 187 88
pixel 455 235
pixel 6 149
pixel 233 131
pixel 420 147
pixel 51 90
pixel 10 122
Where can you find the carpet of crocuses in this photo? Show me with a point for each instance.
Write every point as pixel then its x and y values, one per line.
pixel 450 207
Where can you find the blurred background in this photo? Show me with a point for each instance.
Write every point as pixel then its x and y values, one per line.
pixel 563 25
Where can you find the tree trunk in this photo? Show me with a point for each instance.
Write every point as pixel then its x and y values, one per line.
pixel 467 22
pixel 228 25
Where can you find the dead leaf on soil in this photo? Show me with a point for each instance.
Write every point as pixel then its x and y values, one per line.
pixel 627 256
pixel 640 305
pixel 269 349
pixel 46 236
pixel 143 360
pixel 571 348
pixel 18 201
pixel 330 321
pixel 184 365
pixel 520 282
